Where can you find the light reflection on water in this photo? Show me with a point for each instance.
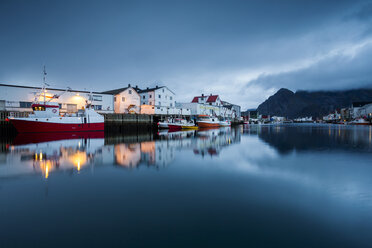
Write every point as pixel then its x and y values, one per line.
pixel 300 185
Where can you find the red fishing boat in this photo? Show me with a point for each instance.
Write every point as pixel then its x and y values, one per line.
pixel 46 118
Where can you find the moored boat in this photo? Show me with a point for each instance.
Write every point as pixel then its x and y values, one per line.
pixel 46 118
pixel 360 121
pixel 225 123
pixel 208 121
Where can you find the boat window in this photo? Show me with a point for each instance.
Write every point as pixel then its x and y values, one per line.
pixel 39 108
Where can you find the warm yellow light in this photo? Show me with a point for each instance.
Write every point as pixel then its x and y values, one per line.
pixel 77 94
pixel 41 156
pixel 79 159
pixel 46 171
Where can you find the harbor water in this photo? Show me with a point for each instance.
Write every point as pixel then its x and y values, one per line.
pixel 247 186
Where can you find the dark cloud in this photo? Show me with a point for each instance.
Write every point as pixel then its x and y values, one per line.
pixel 243 50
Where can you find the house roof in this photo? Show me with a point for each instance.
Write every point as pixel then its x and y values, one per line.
pixel 116 91
pixel 149 89
pixel 48 88
pixel 211 98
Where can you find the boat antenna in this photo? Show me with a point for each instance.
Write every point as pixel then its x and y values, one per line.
pixel 44 81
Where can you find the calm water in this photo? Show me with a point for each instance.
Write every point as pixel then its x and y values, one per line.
pixel 256 186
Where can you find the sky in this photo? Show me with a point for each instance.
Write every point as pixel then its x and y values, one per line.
pixel 242 50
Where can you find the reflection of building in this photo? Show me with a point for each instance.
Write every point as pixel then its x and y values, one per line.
pixel 212 141
pixel 127 155
pixel 47 157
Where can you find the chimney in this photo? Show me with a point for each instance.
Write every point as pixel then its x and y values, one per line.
pixel 157 86
pixel 136 86
pixel 211 94
pixel 147 88
pixel 128 85
pixel 202 95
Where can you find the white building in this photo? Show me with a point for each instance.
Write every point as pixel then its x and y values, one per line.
pixel 209 105
pixel 160 101
pixel 126 100
pixel 159 96
pixel 16 98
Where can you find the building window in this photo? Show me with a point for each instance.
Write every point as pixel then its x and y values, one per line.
pixel 210 103
pixel 114 98
pixel 150 96
pixel 163 90
pixel 170 98
pixel 130 91
pixel 144 97
pixel 171 105
pixel 159 96
pixel 123 99
pixel 97 98
pixel 97 107
pixel 158 107
pixel 25 104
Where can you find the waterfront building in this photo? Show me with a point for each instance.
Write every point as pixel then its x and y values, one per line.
pixel 211 105
pixel 17 98
pixel 160 100
pixel 126 100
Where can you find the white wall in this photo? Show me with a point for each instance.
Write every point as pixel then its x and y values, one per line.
pixel 125 99
pixel 161 96
pixel 13 97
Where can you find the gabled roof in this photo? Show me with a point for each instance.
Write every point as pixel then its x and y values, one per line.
pixel 48 88
pixel 211 98
pixel 116 91
pixel 149 89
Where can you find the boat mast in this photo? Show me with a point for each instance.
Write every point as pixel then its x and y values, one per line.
pixel 44 83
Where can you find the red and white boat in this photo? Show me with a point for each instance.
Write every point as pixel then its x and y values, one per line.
pixel 208 121
pixel 46 118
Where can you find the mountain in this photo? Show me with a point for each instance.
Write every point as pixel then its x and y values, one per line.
pixel 311 103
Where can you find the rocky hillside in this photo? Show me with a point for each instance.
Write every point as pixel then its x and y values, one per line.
pixel 311 103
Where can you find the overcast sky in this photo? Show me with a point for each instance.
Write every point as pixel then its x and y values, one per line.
pixel 242 50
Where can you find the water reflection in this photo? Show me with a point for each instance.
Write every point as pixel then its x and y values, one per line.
pixel 300 185
pixel 48 153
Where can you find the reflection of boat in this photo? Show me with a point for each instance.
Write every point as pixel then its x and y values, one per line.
pixel 208 121
pixel 29 138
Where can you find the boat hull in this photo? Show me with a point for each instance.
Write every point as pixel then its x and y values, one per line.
pixel 174 127
pixel 207 124
pixel 24 126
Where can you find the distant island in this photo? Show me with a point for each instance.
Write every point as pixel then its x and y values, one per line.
pixel 301 103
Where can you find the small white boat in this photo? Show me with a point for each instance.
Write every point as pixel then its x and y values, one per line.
pixel 225 123
pixel 360 121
